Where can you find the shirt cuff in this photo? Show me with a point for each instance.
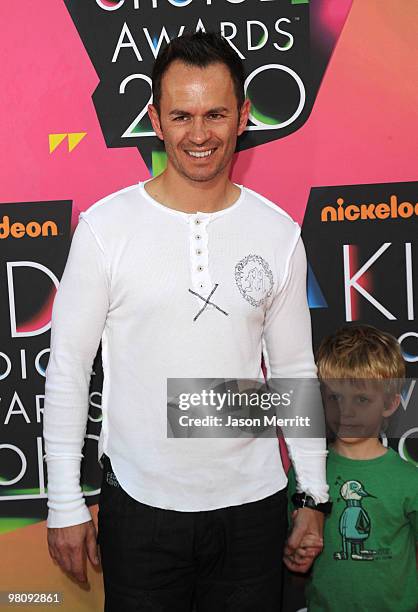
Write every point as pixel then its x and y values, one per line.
pixel 67 518
pixel 66 502
pixel 310 471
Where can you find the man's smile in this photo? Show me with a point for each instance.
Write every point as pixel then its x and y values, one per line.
pixel 201 154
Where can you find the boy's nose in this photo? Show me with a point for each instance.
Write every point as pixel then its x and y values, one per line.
pixel 347 409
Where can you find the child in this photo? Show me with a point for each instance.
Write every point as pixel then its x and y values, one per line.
pixel 369 558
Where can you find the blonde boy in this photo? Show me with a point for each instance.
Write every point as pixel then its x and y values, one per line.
pixel 369 558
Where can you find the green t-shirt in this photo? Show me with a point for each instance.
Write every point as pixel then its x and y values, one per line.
pixel 368 562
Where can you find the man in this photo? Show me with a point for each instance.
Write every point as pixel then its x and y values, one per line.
pixel 186 275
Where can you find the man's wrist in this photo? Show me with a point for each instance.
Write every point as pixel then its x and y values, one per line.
pixel 303 500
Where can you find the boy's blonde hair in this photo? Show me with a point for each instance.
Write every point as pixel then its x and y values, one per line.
pixel 362 352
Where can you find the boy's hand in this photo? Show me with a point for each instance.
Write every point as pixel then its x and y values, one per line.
pixel 305 542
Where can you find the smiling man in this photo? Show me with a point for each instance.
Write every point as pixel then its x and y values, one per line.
pixel 199 118
pixel 185 275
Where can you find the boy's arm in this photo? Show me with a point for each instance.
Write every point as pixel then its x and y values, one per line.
pixel 411 510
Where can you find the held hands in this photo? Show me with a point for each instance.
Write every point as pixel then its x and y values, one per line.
pixel 68 547
pixel 305 541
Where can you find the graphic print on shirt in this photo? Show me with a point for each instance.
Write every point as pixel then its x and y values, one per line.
pixel 254 279
pixel 207 302
pixel 111 479
pixel 355 524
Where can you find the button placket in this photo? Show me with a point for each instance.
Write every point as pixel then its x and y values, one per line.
pixel 199 256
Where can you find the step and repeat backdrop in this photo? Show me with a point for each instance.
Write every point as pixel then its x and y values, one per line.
pixel 330 139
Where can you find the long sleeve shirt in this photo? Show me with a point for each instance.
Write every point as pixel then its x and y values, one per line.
pixel 137 275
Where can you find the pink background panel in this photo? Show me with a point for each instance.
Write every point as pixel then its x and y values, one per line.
pixel 364 123
pixel 360 130
pixel 47 87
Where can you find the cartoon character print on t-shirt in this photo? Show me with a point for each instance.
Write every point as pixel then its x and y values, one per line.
pixel 254 279
pixel 355 524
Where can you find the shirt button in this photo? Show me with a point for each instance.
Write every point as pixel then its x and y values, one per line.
pixel 198 236
pixel 198 251
pixel 197 221
pixel 200 268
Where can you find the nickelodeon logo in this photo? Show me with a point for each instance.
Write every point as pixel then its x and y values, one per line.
pixel 33 229
pixel 381 211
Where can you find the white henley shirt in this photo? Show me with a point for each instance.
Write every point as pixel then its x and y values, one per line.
pixel 127 282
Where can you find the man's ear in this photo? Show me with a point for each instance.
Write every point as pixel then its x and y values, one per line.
pixel 392 405
pixel 155 121
pixel 243 116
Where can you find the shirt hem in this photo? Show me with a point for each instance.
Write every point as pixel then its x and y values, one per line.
pixel 149 500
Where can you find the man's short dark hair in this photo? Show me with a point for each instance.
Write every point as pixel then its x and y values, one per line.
pixel 199 49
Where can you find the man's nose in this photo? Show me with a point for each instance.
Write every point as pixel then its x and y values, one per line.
pixel 199 131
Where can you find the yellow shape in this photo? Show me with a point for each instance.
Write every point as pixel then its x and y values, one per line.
pixel 55 140
pixel 74 139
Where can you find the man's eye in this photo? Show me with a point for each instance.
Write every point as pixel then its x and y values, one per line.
pixel 215 116
pixel 181 118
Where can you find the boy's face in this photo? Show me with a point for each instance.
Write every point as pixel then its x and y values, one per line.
pixel 355 411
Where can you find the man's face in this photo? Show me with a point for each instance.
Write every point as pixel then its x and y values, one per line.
pixel 199 120
pixel 356 411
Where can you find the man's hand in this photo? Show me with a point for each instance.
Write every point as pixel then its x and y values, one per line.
pixel 305 542
pixel 68 547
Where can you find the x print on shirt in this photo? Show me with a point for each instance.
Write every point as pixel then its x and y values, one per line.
pixel 207 302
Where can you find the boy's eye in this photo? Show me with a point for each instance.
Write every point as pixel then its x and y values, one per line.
pixel 334 397
pixel 362 399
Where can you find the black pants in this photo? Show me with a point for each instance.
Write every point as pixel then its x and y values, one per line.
pixel 162 560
